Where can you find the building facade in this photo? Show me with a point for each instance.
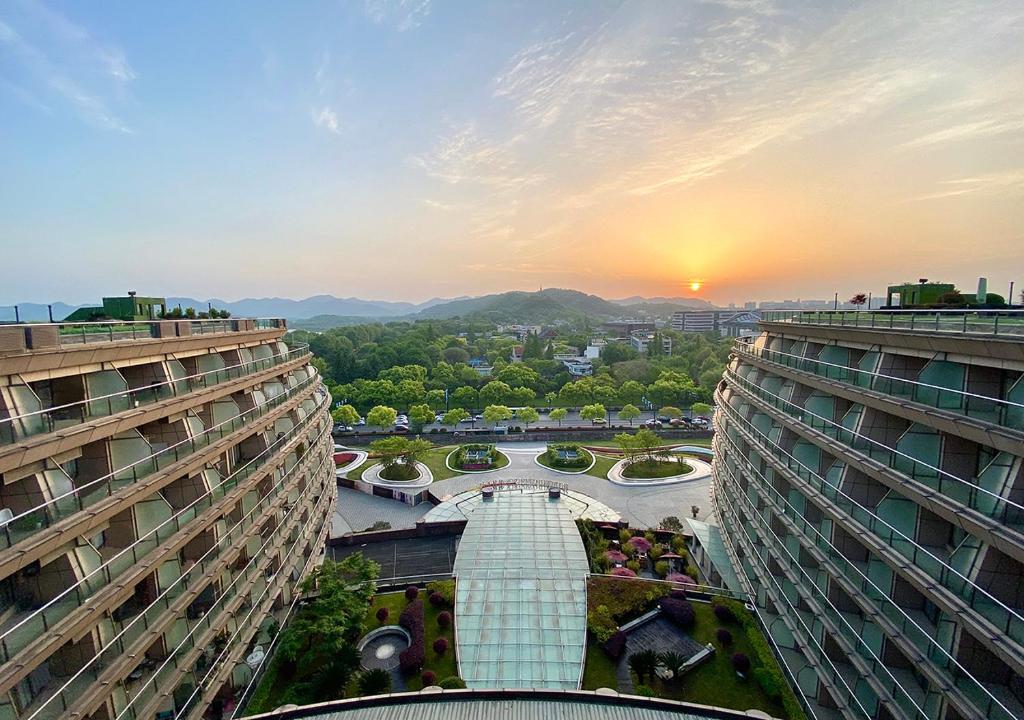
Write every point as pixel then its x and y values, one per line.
pixel 163 488
pixel 728 323
pixel 870 490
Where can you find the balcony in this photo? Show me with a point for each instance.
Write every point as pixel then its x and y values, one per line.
pixel 985 323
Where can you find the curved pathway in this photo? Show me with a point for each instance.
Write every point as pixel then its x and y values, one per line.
pixel 700 470
pixel 640 506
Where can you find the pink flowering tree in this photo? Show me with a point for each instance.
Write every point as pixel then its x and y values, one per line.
pixel 614 556
pixel 623 572
pixel 640 544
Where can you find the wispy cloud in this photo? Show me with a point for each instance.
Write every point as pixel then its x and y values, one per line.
pixel 327 119
pixel 1010 182
pixel 400 14
pixel 59 60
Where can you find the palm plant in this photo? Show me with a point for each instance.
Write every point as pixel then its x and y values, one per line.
pixel 643 663
pixel 672 661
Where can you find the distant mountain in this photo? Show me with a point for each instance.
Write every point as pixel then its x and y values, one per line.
pixel 36 312
pixel 688 302
pixel 296 309
pixel 543 306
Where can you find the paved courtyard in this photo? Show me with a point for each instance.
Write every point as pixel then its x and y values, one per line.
pixel 640 506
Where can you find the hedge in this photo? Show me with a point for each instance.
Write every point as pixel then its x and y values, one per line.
pixel 616 645
pixel 679 612
pixel 411 659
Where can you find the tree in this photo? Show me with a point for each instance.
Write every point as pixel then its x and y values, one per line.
pixel 574 393
pixel 593 412
pixel 631 392
pixel 527 415
pixel 522 396
pixel 381 416
pixel 455 355
pixel 670 411
pixel 672 523
pixel 550 398
pixel 464 397
pixel 420 415
pixel 374 682
pixel 701 409
pixel 673 662
pixel 435 399
pixel 858 300
pixel 647 443
pixel 495 393
pixel 643 663
pixel 454 416
pixel 346 415
pixel 400 450
pixel 630 413
pixel 518 375
pixel 558 414
pixel 494 414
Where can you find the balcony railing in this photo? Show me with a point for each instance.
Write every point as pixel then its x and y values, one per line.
pixel 920 638
pixel 999 323
pixel 40 422
pixel 42 516
pixel 64 698
pixel 984 603
pixel 17 637
pixel 949 486
pixel 49 336
pixel 982 407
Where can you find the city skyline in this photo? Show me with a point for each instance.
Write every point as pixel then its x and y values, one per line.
pixel 767 150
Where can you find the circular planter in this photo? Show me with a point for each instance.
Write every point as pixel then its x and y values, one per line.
pixel 371 476
pixel 581 471
pixel 379 649
pixel 698 471
pixel 448 464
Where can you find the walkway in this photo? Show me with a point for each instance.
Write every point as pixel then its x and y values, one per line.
pixel 641 507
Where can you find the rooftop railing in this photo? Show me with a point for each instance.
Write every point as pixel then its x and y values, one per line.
pixel 50 336
pixel 999 323
pixel 983 407
pixel 46 420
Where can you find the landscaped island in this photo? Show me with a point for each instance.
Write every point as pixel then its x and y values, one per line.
pixel 477 457
pixel 646 459
pixel 566 456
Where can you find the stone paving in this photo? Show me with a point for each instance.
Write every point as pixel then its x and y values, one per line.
pixel 641 507
pixel 659 635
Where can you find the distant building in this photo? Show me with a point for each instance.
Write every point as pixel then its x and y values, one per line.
pixel 129 307
pixel 728 323
pixel 517 353
pixel 642 339
pixel 595 348
pixel 624 328
pixel 577 366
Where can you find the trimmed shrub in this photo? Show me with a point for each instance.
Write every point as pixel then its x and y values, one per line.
pixel 678 595
pixel 679 612
pixel 724 614
pixel 411 592
pixel 623 572
pixel 640 544
pixel 615 556
pixel 644 691
pixel 661 567
pixel 428 678
pixel 633 565
pixel 441 646
pixel 453 682
pixel 681 579
pixel 740 662
pixel 724 636
pixel 444 619
pixel 383 614
pixel 444 588
pixel 374 682
pixel 769 683
pixel 616 645
pixel 436 600
pixel 411 659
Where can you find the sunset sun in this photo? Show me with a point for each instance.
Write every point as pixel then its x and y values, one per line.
pixel 695 285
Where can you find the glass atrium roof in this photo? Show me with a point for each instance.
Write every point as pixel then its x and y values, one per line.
pixel 521 594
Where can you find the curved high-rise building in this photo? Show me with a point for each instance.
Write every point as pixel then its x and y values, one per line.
pixel 163 487
pixel 869 484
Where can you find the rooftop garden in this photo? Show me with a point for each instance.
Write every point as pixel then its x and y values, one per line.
pixel 476 457
pixel 646 459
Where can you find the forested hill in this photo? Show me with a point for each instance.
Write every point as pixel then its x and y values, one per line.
pixel 543 306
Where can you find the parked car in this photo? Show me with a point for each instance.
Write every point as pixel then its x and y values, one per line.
pixel 466 420
pixel 652 424
pixel 664 418
pixel 676 422
pixel 400 429
pixel 361 421
pixel 439 418
pixel 478 418
pixel 599 421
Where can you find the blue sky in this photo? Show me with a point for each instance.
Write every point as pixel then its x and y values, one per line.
pixel 417 148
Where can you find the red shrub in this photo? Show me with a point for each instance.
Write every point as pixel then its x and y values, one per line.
pixel 724 636
pixel 679 611
pixel 436 599
pixel 411 592
pixel 444 619
pixel 428 678
pixel 440 646
pixel 724 614
pixel 623 572
pixel 411 659
pixel 615 645
pixel 382 614
pixel 740 662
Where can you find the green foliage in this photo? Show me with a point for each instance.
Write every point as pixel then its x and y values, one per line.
pixel 400 450
pixel 593 412
pixel 454 417
pixel 661 568
pixel 495 393
pixel 558 415
pixel 622 600
pixel 444 588
pixel 700 408
pixel 527 415
pixel 629 413
pixel 494 414
pixel 420 415
pixel 381 416
pixel 672 523
pixel 346 415
pixel 374 682
pixel 453 683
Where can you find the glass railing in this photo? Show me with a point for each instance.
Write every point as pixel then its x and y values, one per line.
pixel 40 422
pixel 994 410
pixel 988 606
pixel 921 640
pixel 31 627
pixel 156 615
pixel 63 334
pixel 841 627
pixel 807 638
pixel 949 486
pixel 1009 323
pixel 74 501
pixel 167 677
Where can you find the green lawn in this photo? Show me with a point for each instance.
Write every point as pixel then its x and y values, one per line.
pixel 501 462
pixel 433 459
pixel 610 443
pixel 543 460
pixel 712 683
pixel 647 470
pixel 602 464
pixel 443 666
